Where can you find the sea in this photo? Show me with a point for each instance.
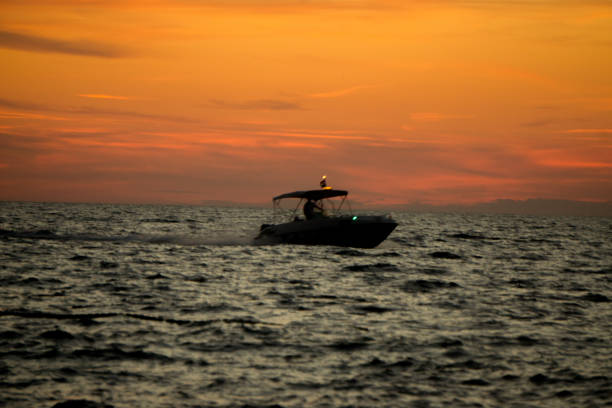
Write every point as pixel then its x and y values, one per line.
pixel 105 305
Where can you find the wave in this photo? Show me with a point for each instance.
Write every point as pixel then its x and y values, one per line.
pixel 39 314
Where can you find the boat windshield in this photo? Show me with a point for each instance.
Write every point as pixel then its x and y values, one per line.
pixel 292 207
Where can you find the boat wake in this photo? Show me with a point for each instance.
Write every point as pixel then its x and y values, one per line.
pixel 219 238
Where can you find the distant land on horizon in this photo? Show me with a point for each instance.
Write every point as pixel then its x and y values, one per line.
pixel 531 206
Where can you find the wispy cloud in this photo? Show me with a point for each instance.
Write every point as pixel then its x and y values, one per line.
pixel 521 3
pixel 33 110
pixel 575 164
pixel 29 115
pixel 314 135
pixel 105 96
pixel 301 145
pixel 13 104
pixel 436 116
pixel 267 5
pixel 607 131
pixel 35 43
pixel 88 110
pixel 258 104
pixel 538 123
pixel 26 110
pixel 337 93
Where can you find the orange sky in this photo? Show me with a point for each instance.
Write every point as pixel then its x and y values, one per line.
pixel 182 101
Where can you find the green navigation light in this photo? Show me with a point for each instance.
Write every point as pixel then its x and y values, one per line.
pixel 354 218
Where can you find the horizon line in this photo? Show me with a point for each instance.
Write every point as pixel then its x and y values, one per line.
pixel 500 206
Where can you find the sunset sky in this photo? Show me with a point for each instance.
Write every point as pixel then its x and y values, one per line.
pixel 183 101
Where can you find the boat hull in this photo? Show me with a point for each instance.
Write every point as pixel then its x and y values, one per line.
pixel 348 231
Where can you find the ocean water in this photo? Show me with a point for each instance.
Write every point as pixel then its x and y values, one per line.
pixel 173 306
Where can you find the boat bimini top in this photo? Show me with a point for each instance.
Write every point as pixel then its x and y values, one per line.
pixel 314 195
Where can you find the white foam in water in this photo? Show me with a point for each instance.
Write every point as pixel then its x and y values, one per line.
pixel 223 238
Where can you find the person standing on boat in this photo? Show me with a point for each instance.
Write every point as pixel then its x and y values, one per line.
pixel 312 210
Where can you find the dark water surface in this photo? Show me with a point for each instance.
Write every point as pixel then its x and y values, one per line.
pixel 172 306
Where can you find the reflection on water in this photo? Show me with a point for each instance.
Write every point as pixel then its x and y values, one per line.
pixel 172 306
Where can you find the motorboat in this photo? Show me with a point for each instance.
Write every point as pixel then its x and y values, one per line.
pixel 325 221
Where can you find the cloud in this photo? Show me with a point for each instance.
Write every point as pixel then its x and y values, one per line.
pixel 607 131
pixel 521 3
pixel 26 110
pixel 304 134
pixel 27 42
pixel 298 6
pixel 82 110
pixel 104 96
pixel 337 93
pixel 301 145
pixel 88 110
pixel 20 105
pixel 575 164
pixel 28 115
pixel 258 104
pixel 538 123
pixel 436 117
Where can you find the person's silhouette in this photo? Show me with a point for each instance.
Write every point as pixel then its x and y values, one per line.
pixel 312 210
